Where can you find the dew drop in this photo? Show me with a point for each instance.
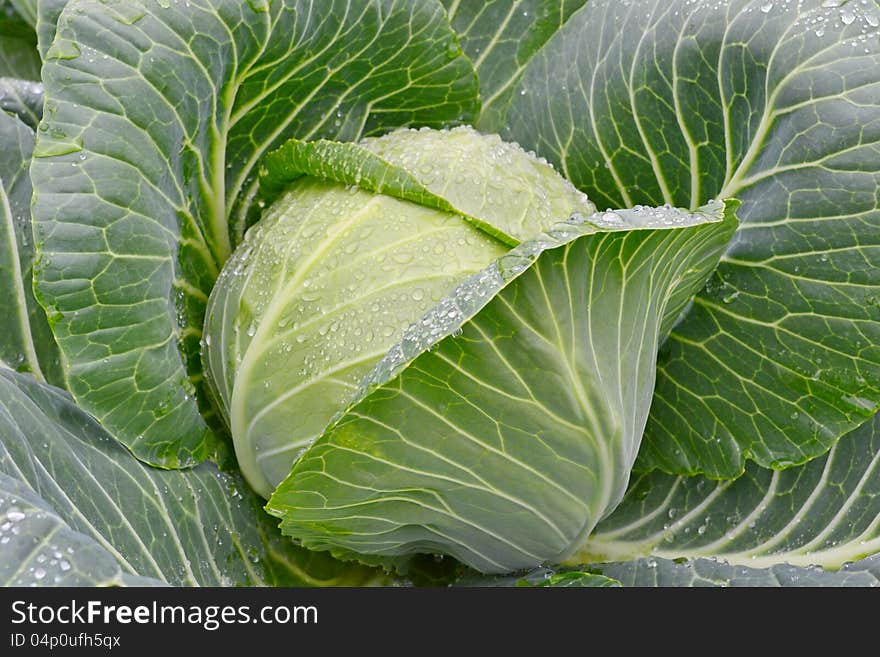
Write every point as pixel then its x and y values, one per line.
pixel 731 297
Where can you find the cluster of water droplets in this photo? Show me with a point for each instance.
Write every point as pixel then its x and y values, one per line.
pixel 719 288
pixel 443 319
pixel 720 572
pixel 51 563
pixel 857 19
pixel 10 527
pixel 484 177
pixel 336 308
pixel 860 18
pixel 229 532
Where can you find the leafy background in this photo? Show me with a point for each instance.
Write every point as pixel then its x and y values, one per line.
pixel 636 102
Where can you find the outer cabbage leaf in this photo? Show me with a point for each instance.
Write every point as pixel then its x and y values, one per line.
pixel 708 572
pixel 505 423
pixel 658 572
pixel 776 104
pixel 27 343
pixel 145 171
pixel 826 513
pixel 40 549
pixel 501 36
pixel 195 527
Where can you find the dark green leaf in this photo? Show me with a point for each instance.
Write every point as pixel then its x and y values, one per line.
pixel 27 10
pixel 501 36
pixel 40 549
pixel 145 171
pixel 709 572
pixel 195 527
pixel 774 103
pixel 826 512
pixel 658 572
pixel 18 42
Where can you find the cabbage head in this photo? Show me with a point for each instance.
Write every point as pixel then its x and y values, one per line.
pixel 345 259
pixel 433 342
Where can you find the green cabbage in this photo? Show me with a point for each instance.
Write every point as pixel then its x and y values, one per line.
pixel 325 284
pixel 414 383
